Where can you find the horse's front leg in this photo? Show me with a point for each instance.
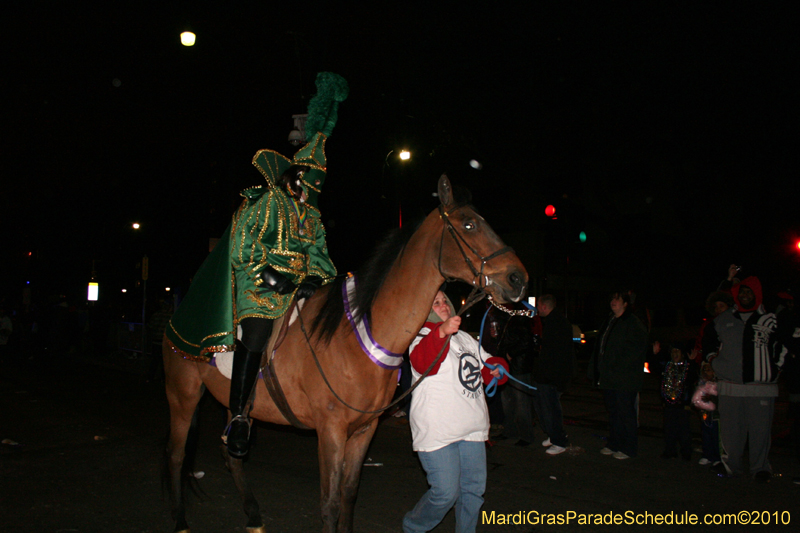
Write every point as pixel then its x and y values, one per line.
pixel 254 522
pixel 332 442
pixel 354 453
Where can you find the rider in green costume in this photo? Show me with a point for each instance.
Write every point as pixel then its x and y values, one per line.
pixel 273 251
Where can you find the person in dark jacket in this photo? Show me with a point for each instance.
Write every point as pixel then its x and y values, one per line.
pixel 554 370
pixel 517 346
pixel 617 367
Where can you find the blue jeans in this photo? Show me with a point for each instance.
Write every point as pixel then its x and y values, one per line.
pixel 548 409
pixel 709 429
pixel 457 476
pixel 623 422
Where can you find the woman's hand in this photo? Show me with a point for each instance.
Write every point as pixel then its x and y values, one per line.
pixel 449 326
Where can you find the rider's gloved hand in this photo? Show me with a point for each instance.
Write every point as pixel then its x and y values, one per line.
pixel 275 281
pixel 308 287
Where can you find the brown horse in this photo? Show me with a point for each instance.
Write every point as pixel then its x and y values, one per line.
pixel 395 294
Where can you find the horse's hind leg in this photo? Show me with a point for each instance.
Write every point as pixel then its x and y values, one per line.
pixel 354 453
pixel 184 389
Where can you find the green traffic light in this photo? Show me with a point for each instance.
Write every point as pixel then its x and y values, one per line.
pixel 582 236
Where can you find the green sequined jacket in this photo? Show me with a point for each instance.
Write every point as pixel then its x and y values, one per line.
pixel 267 229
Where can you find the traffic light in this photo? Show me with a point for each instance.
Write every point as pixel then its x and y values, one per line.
pixel 550 211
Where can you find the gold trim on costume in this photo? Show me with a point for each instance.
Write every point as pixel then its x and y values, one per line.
pixel 181 338
pixel 224 333
pixel 196 358
pixel 222 348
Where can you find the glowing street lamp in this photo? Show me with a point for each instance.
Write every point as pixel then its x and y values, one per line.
pixel 94 289
pixel 188 38
pixel 136 225
pixel 405 155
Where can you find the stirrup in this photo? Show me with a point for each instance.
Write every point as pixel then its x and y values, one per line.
pixel 227 431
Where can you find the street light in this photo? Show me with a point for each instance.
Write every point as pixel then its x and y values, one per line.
pixel 298 134
pixel 93 291
pixel 188 38
pixel 94 288
pixel 404 155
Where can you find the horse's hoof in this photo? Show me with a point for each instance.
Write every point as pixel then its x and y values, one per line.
pixel 259 529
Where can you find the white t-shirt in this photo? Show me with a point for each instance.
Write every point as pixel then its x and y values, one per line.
pixel 450 406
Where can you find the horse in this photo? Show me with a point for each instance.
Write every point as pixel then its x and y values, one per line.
pixel 330 384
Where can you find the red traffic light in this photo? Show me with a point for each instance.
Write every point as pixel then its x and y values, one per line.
pixel 550 211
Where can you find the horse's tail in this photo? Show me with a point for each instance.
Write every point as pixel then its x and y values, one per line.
pixel 188 477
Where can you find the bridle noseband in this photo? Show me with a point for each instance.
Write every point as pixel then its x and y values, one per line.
pixel 480 277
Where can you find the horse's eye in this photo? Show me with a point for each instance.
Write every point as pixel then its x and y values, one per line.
pixel 469 226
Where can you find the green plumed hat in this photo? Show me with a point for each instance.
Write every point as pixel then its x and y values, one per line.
pixel 322 114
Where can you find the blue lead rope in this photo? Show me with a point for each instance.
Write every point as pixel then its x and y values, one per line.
pixel 491 388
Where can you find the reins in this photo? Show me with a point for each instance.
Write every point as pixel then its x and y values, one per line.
pixel 473 298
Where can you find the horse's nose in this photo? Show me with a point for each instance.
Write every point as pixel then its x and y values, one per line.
pixel 518 284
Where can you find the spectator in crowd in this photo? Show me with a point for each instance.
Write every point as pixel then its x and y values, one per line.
pixel 678 379
pixel 517 347
pixel 709 424
pixel 155 333
pixel 554 370
pixel 789 325
pixel 616 367
pixel 157 324
pixel 717 303
pixel 743 347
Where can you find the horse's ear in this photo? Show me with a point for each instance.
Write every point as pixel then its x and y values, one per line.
pixel 445 191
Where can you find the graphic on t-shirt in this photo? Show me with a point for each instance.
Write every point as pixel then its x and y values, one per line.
pixel 469 371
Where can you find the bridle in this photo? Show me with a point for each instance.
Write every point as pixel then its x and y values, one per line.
pixel 481 280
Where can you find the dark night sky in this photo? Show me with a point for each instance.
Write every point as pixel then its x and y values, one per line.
pixel 664 131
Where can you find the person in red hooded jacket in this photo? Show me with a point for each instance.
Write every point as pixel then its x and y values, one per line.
pixel 743 347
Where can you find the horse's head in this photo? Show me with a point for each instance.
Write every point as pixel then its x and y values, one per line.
pixel 471 251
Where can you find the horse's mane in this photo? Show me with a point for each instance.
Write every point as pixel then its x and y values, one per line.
pixel 370 276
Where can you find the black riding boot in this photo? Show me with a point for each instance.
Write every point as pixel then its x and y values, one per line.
pixel 243 379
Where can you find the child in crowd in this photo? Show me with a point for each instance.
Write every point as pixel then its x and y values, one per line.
pixel 709 428
pixel 677 386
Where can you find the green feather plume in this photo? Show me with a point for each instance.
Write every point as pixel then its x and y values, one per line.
pixel 322 108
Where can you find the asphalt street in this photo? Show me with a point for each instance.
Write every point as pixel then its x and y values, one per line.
pixel 83 440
